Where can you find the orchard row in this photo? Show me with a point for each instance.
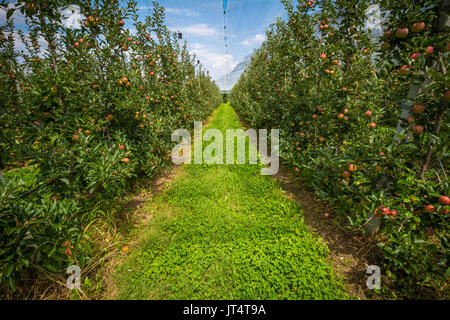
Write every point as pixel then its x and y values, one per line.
pixel 85 111
pixel 364 122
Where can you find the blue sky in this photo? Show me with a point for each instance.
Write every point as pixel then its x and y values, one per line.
pixel 201 22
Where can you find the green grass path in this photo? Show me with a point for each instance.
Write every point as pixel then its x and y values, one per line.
pixel 226 232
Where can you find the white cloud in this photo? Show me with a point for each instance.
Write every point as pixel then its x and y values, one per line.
pixel 203 30
pixel 18 17
pixel 175 11
pixel 253 41
pixel 214 62
pixel 72 17
pixel 183 12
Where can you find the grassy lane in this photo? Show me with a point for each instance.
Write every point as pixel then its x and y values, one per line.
pixel 226 232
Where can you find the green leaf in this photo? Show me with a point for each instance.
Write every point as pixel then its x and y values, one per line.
pixel 9 13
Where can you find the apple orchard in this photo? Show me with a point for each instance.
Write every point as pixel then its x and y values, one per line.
pixel 85 112
pixel 88 112
pixel 364 121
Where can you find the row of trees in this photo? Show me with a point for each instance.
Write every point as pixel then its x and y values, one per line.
pixel 84 111
pixel 364 121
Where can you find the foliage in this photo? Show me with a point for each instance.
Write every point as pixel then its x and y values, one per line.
pixel 350 129
pixel 88 110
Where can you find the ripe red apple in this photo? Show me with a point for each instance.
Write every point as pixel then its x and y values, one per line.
pixel 410 119
pixel 152 73
pixel 417 129
pixel 401 33
pixel 404 70
pixel 121 22
pixel 393 213
pixel 368 113
pixel 384 211
pixel 351 167
pixel 415 55
pixel 429 208
pixel 326 215
pixel 372 125
pixel 417 108
pixel 381 154
pixel 346 174
pixel 341 116
pixel 444 210
pixel 444 200
pixel 447 95
pixel 37 123
pixel 315 116
pixel 387 33
pixel 429 50
pixel 323 56
pixel 418 27
pixel 126 160
pixel 76 44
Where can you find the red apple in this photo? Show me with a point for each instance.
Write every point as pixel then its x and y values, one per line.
pixel 368 113
pixel 444 200
pixel 429 50
pixel 415 55
pixel 410 119
pixel 401 33
pixel 346 174
pixel 447 95
pixel 417 108
pixel 429 208
pixel 384 211
pixel 326 215
pixel 351 167
pixel 404 70
pixel 372 125
pixel 417 129
pixel 418 27
pixel 323 56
